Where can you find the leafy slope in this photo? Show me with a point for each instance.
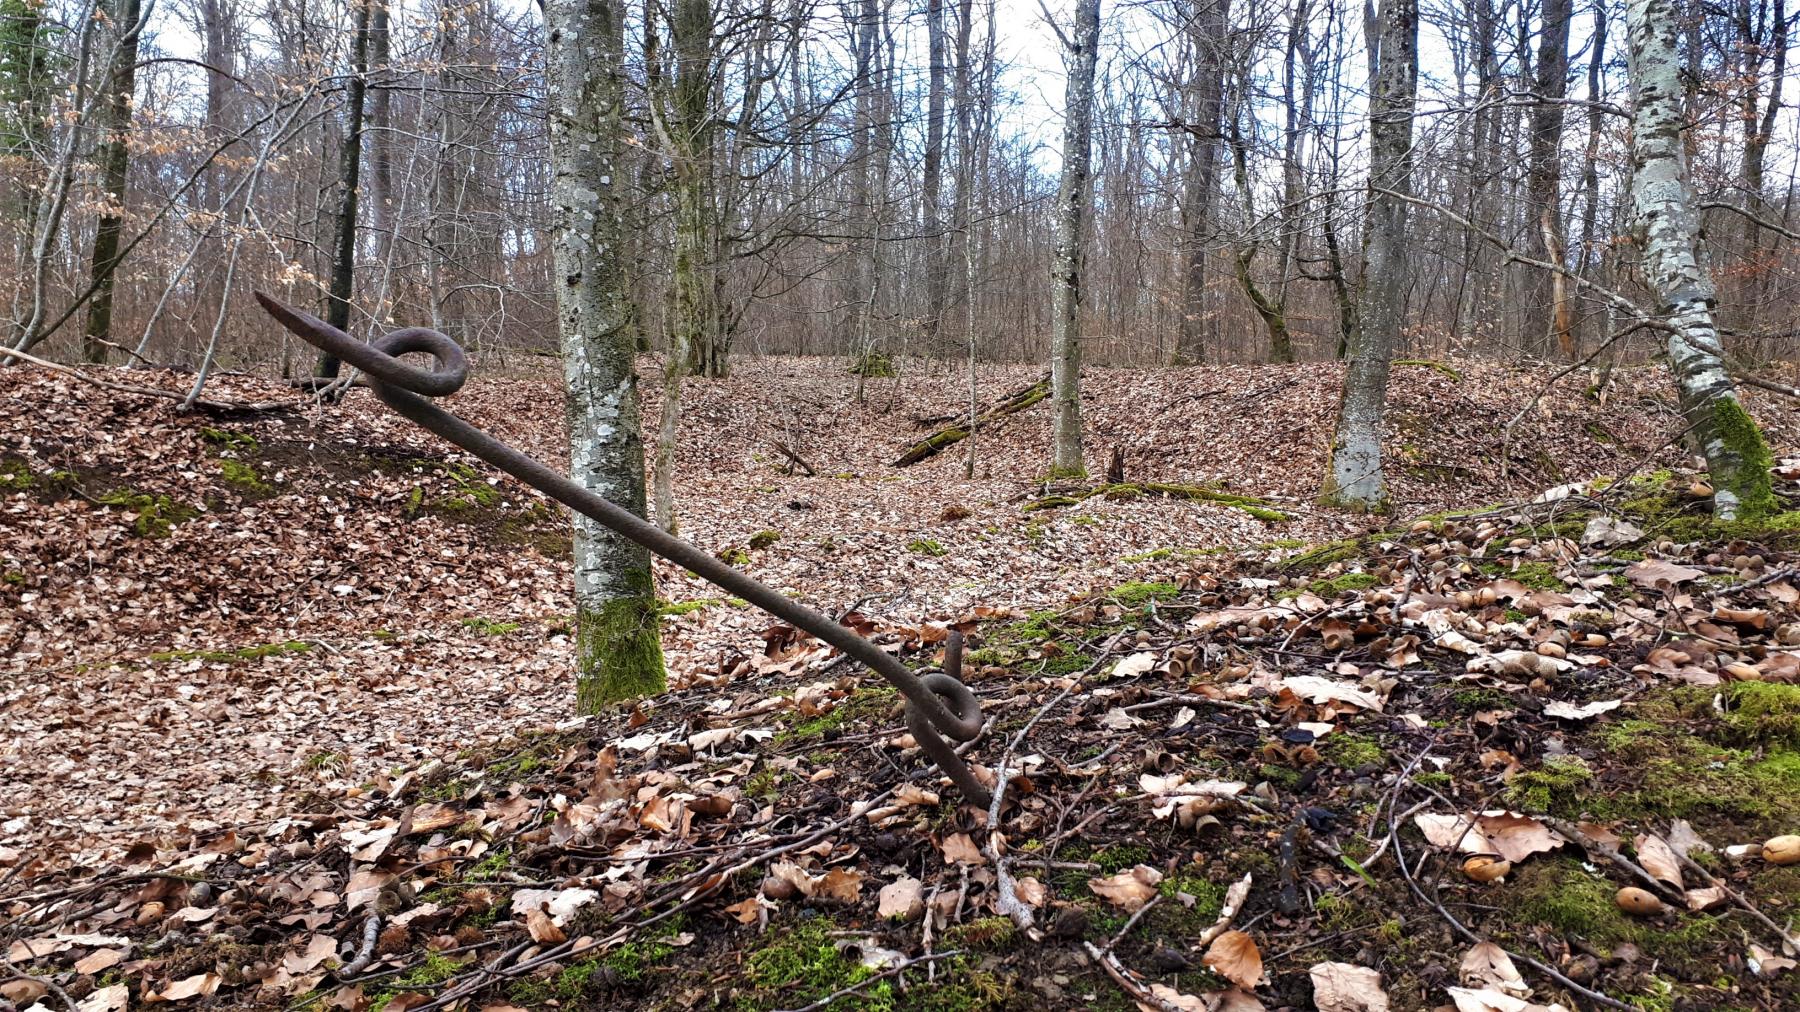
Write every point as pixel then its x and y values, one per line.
pixel 317 643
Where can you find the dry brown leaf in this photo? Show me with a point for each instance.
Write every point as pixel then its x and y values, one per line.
pixel 1346 987
pixel 1512 836
pixel 1658 858
pixel 1704 898
pixel 902 899
pixel 543 929
pixel 959 848
pixel 1487 965
pixel 200 985
pixel 1129 889
pixel 1489 1000
pixel 1584 711
pixel 24 991
pixel 100 959
pixel 1650 572
pixel 1234 956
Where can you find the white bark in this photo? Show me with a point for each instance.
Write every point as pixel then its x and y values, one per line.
pixel 1073 198
pixel 614 595
pixel 1662 200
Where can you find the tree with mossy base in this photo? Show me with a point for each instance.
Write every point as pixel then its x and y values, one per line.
pixel 618 648
pixel 1737 458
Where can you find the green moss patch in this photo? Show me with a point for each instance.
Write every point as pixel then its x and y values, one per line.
pixel 927 546
pixel 254 653
pixel 490 627
pixel 153 516
pixel 618 651
pixel 243 476
pixel 1330 588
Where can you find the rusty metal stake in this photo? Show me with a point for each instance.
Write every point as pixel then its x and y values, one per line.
pixel 405 388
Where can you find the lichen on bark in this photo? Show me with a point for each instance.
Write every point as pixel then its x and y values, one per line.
pixel 618 652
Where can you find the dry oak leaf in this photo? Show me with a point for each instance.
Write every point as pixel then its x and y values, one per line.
pixel 1658 858
pixel 318 949
pixel 23 991
pixel 1766 963
pixel 1487 965
pixel 1512 836
pixel 1346 987
pixel 1234 956
pixel 1704 899
pixel 1129 889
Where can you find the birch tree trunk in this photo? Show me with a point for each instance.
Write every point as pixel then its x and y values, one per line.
pixel 1736 456
pixel 1072 199
pixel 618 649
pixel 1353 477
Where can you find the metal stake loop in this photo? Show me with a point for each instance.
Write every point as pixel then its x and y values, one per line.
pixel 937 704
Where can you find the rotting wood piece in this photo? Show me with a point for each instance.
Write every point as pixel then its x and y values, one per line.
pixel 938 704
pixel 953 433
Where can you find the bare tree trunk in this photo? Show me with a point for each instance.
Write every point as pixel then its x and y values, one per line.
pixel 684 120
pixel 618 647
pixel 381 122
pixel 936 249
pixel 1073 199
pixel 1203 148
pixel 343 257
pixel 1547 323
pixel 1737 458
pixel 1590 173
pixel 115 158
pixel 1354 475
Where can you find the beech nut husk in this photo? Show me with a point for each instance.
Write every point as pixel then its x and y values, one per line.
pixel 1782 850
pixel 1482 868
pixel 1637 901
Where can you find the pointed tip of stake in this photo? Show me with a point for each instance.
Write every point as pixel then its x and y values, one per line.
pixel 304 325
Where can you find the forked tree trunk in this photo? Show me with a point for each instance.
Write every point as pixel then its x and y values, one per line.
pixel 1072 199
pixel 1354 476
pixel 1737 458
pixel 618 649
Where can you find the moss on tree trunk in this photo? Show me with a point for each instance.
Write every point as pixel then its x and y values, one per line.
pixel 1747 460
pixel 618 653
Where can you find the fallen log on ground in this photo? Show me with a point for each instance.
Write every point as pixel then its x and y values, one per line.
pixel 953 433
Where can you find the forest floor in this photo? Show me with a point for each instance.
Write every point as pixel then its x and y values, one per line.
pixel 276 679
